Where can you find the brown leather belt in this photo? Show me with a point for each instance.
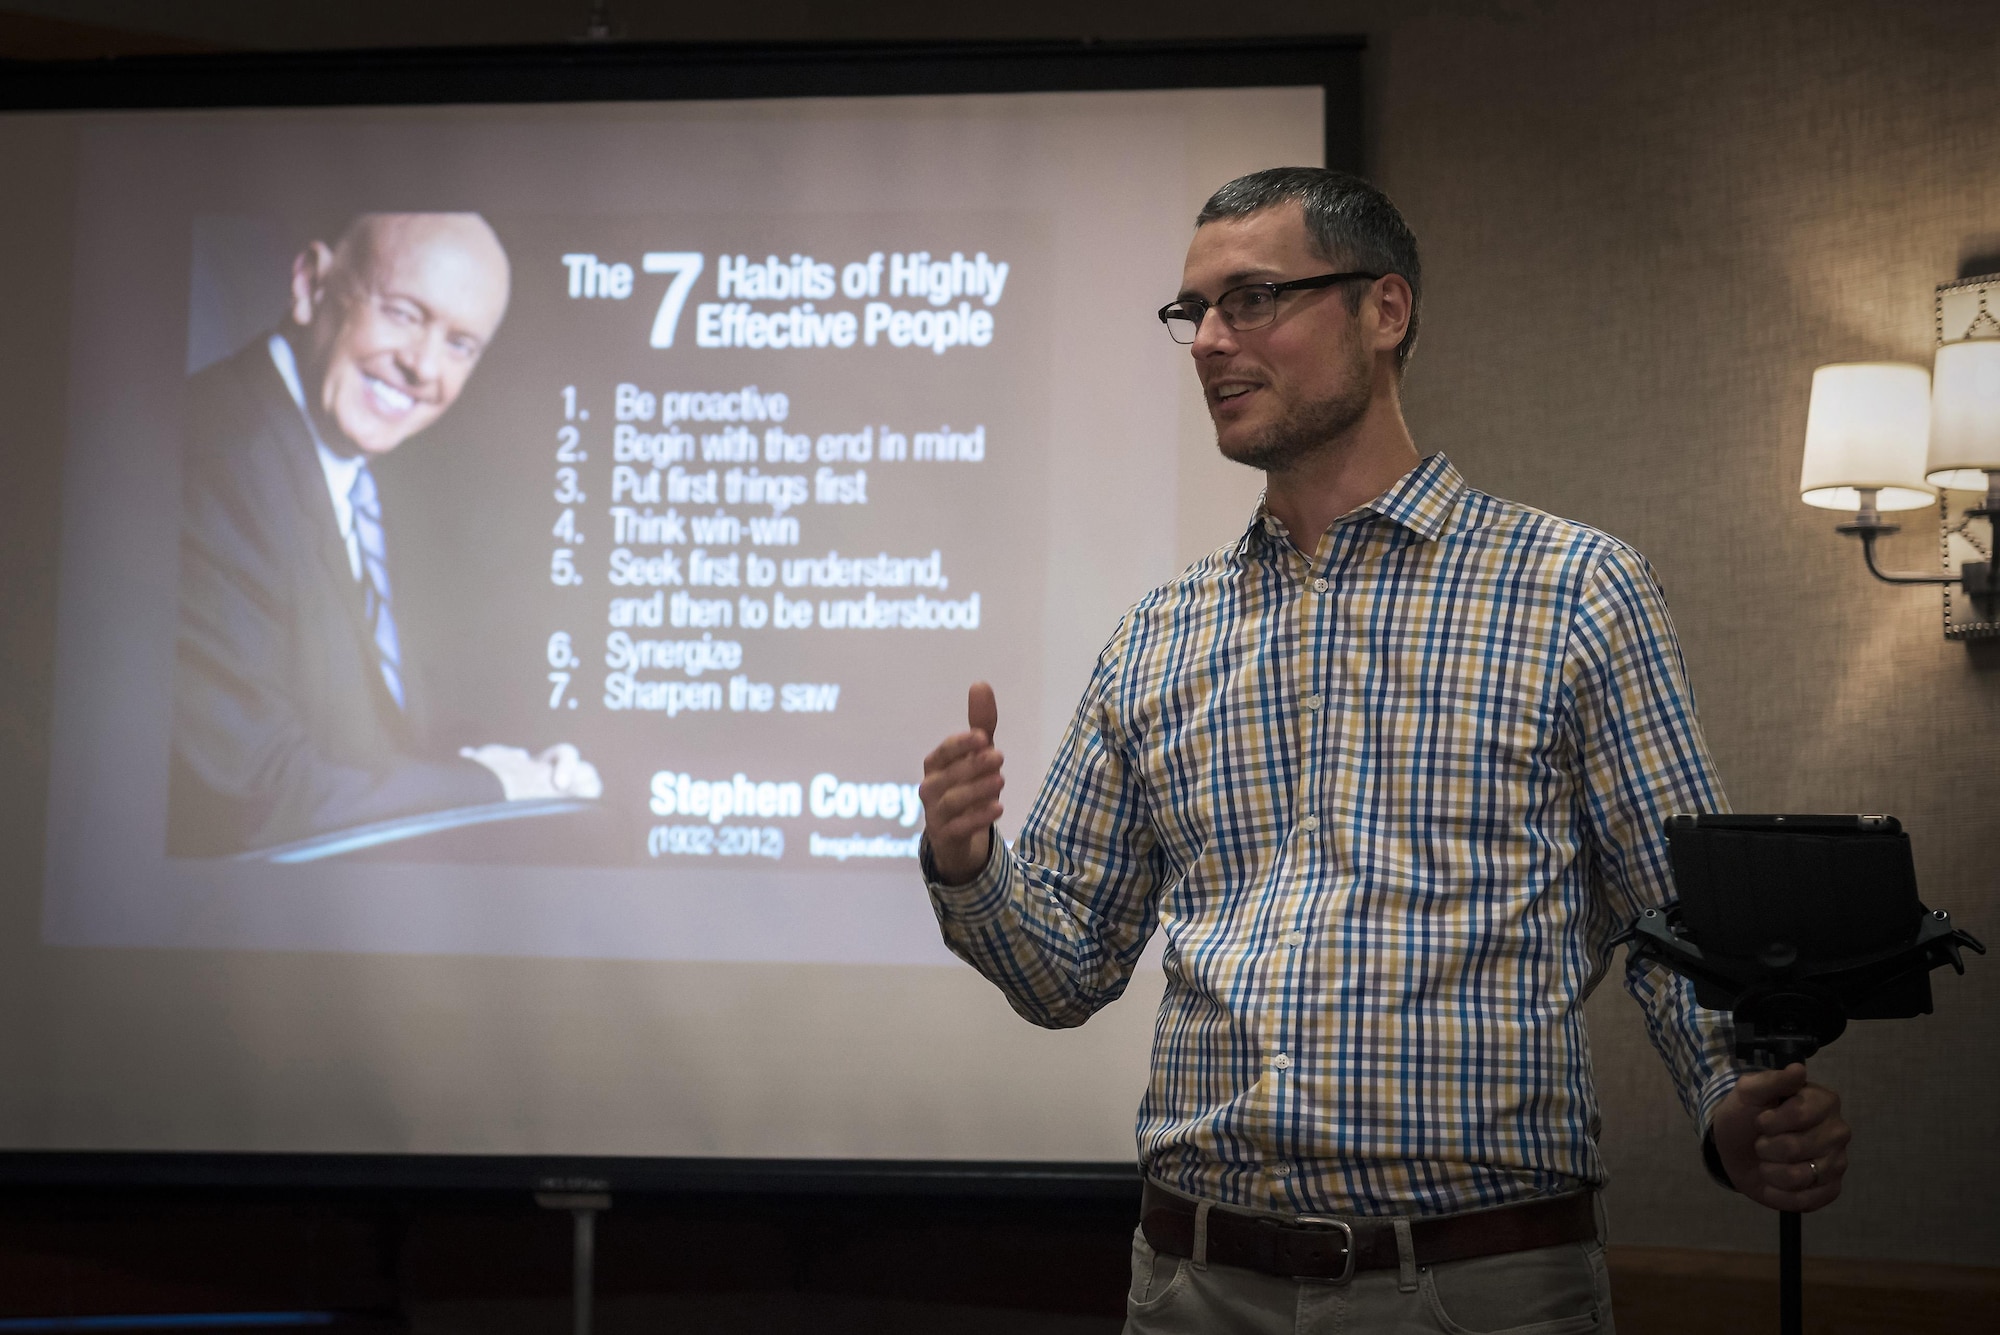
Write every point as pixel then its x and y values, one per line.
pixel 1327 1248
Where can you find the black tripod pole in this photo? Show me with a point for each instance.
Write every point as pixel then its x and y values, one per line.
pixel 1791 1262
pixel 1790 1278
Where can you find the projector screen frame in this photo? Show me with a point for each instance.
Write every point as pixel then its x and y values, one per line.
pixel 583 73
pixel 682 72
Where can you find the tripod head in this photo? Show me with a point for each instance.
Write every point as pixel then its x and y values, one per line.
pixel 1796 925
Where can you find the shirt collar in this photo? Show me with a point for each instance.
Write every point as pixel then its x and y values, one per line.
pixel 282 357
pixel 1423 500
pixel 340 469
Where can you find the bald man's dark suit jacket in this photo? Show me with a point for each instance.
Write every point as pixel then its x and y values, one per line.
pixel 283 727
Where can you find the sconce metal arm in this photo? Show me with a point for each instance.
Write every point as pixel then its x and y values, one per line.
pixel 1868 534
pixel 1979 579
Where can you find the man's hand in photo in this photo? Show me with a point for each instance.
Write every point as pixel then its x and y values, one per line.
pixel 560 771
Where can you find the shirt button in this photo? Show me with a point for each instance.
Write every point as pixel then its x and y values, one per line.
pixel 1294 938
pixel 1282 1169
pixel 1283 1061
pixel 1319 586
pixel 1315 700
pixel 1309 824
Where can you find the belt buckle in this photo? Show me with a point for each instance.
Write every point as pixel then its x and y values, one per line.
pixel 1347 1236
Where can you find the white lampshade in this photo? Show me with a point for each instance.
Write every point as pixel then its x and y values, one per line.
pixel 1965 414
pixel 1867 427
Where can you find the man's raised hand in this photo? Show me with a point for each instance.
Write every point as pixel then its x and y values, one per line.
pixel 961 791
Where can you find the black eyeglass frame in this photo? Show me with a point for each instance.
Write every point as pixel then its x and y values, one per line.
pixel 1194 310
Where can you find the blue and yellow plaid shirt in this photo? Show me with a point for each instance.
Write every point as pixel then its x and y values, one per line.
pixel 1389 806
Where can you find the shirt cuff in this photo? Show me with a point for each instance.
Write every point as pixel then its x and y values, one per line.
pixel 1712 1094
pixel 1711 1159
pixel 978 901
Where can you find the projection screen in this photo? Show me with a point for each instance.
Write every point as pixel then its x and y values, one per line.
pixel 718 444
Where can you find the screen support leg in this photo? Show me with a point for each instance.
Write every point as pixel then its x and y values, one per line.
pixel 583 1207
pixel 1790 1278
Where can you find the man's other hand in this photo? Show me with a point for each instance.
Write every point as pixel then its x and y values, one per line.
pixel 560 771
pixel 961 791
pixel 1783 1141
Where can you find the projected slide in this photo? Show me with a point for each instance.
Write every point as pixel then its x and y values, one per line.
pixel 641 528
pixel 513 561
pixel 561 532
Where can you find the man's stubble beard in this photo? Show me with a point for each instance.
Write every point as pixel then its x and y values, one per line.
pixel 1309 429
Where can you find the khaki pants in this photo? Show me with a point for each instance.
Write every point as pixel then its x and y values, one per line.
pixel 1549 1291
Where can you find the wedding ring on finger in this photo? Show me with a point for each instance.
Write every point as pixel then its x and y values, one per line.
pixel 1814 1165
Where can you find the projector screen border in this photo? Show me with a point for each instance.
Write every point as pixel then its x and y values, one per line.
pixel 658 72
pixel 29 507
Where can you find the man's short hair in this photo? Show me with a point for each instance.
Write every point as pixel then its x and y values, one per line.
pixel 1352 225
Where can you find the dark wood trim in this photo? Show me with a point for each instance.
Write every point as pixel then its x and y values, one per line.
pixel 1672 1290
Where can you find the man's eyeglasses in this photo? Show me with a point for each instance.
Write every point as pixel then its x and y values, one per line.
pixel 1248 307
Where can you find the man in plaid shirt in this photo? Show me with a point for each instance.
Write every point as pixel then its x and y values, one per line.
pixel 1389 771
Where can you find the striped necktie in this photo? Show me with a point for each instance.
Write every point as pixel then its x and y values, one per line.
pixel 375 579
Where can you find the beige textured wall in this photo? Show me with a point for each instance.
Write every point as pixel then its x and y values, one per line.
pixel 1641 237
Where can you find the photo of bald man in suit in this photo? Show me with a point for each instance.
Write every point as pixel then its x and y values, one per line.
pixel 295 712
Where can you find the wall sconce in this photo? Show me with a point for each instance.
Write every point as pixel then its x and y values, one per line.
pixel 1888 436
